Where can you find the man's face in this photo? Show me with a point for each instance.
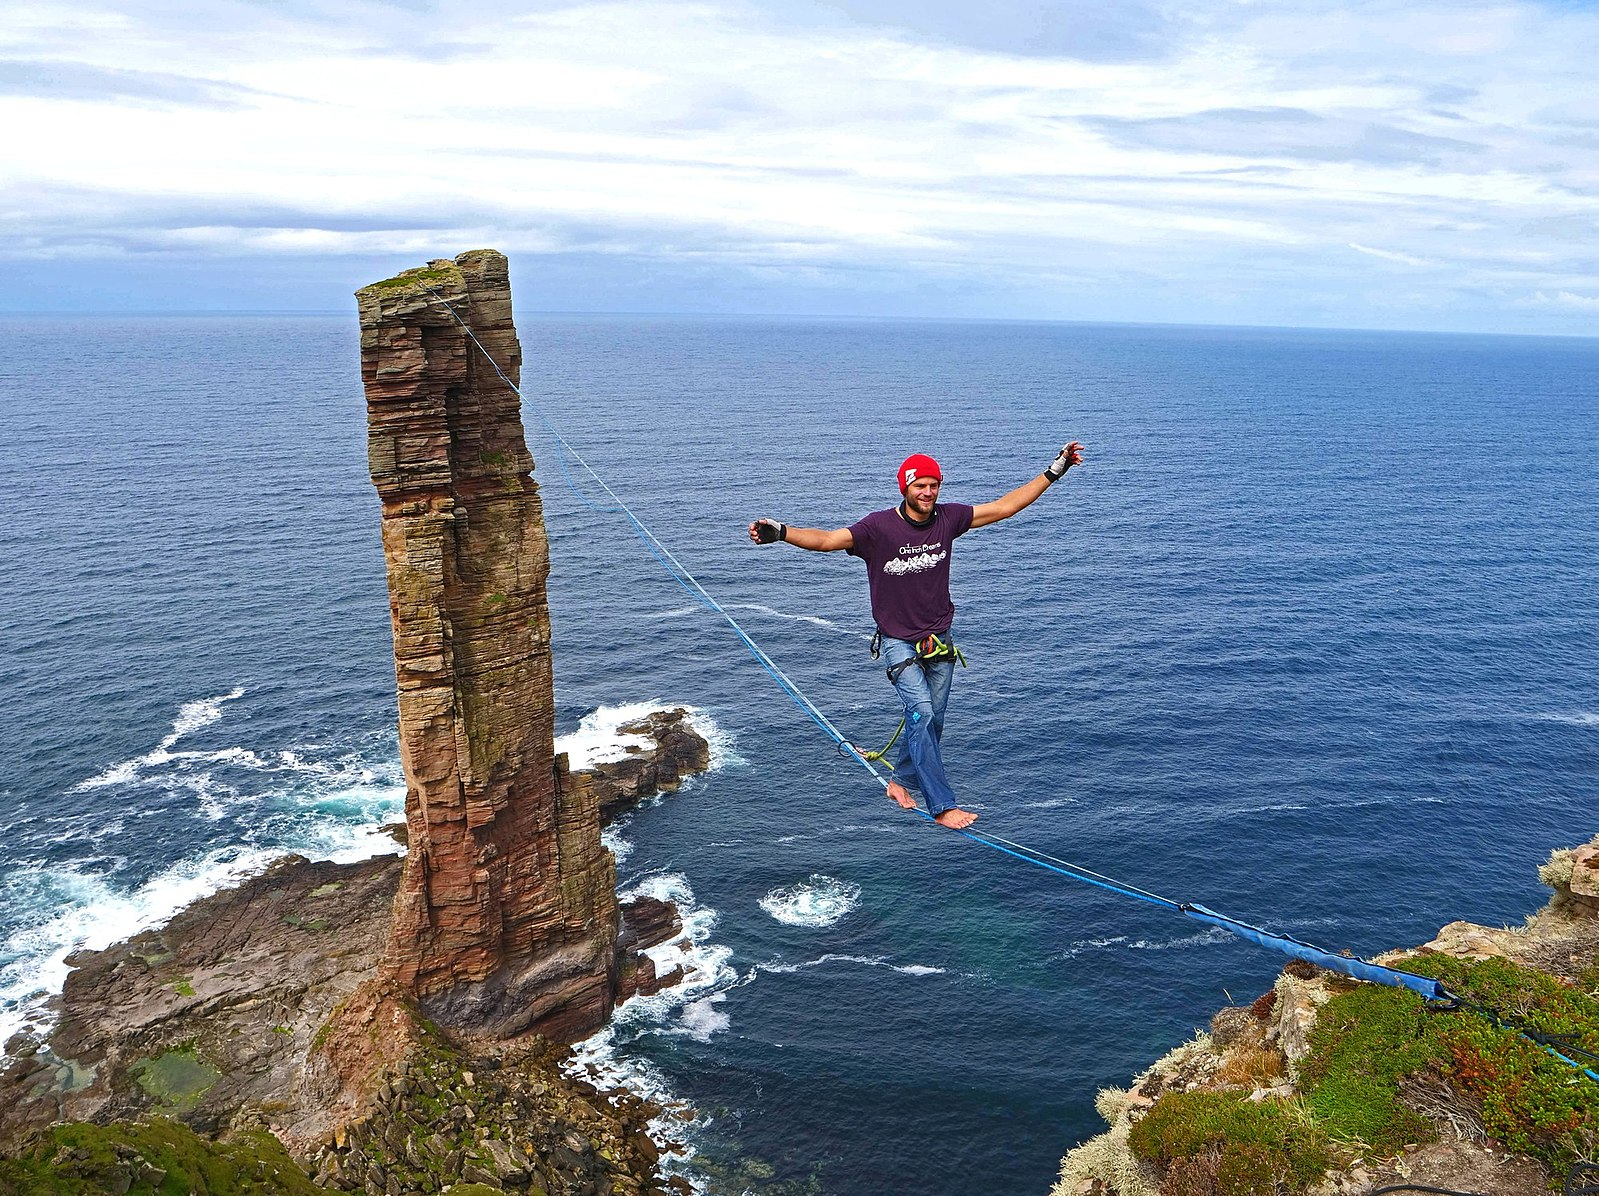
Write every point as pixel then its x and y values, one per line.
pixel 920 496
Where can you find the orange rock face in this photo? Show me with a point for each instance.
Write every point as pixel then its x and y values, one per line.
pixel 506 920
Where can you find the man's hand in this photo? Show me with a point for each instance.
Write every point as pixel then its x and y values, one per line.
pixel 768 531
pixel 1071 455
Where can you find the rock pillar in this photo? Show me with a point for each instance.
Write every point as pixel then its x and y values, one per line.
pixel 506 919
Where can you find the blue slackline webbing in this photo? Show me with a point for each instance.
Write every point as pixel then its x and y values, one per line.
pixel 1357 969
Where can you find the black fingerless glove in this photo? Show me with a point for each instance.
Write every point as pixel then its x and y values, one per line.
pixel 769 531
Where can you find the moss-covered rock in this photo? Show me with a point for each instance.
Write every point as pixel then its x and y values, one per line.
pixel 1244 1146
pixel 177 1079
pixel 153 1158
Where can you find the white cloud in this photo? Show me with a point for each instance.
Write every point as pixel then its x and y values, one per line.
pixel 1252 143
pixel 1567 299
pixel 1388 255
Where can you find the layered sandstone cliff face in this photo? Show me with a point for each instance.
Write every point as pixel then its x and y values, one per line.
pixel 290 1004
pixel 506 919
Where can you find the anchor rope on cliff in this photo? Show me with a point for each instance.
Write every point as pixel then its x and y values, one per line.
pixel 1348 965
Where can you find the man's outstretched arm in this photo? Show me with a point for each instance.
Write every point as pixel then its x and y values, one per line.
pixel 770 531
pixel 1027 493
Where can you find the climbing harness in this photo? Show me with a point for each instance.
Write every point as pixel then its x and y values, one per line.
pixel 930 649
pixel 1348 965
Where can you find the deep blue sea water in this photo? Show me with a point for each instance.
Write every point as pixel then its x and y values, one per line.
pixel 1311 638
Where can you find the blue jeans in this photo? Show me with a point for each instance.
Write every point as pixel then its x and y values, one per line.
pixel 923 689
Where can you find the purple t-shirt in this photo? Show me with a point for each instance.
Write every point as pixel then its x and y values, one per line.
pixel 907 568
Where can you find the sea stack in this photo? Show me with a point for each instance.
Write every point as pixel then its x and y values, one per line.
pixel 506 919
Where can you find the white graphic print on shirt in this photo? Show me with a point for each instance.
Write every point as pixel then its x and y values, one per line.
pixel 927 555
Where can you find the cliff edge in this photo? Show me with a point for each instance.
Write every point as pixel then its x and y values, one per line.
pixel 1327 1086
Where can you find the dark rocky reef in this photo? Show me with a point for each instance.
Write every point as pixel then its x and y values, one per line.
pixel 679 751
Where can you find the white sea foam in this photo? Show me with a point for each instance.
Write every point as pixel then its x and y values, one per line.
pixel 678 612
pixel 599 738
pixel 603 1062
pixel 324 807
pixel 707 967
pixel 90 913
pixel 192 716
pixel 333 810
pixel 702 1018
pixel 694 1007
pixel 869 961
pixel 1583 718
pixel 611 839
pixel 1121 942
pixel 1082 945
pixel 1204 938
pixel 816 902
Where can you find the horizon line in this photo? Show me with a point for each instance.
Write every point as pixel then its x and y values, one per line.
pixel 810 316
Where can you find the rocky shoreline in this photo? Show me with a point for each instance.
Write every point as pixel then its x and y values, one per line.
pixel 394 1026
pixel 233 1019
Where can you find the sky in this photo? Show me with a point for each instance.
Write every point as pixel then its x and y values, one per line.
pixel 1404 164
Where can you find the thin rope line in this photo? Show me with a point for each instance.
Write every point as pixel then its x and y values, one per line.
pixel 689 582
pixel 681 574
pixel 1082 872
pixel 675 567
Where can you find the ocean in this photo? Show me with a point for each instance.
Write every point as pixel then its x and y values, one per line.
pixel 1310 638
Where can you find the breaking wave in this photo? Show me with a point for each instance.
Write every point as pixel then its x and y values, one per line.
pixel 246 806
pixel 1121 942
pixel 75 910
pixel 1583 718
pixel 869 961
pixel 693 1007
pixel 818 901
pixel 599 738
pixel 192 716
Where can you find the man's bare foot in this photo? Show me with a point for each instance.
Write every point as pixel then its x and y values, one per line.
pixel 901 795
pixel 955 819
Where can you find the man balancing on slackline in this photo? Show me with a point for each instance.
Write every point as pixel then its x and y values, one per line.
pixel 906 550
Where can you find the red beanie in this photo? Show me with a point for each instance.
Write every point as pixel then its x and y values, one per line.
pixel 918 465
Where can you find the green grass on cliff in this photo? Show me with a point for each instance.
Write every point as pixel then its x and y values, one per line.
pixel 1370 1047
pixel 1244 1148
pixel 422 274
pixel 153 1158
pixel 1369 1042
